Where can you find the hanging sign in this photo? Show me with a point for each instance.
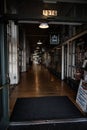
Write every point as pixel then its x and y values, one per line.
pixel 54 39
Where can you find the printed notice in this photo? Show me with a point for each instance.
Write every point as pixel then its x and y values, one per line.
pixel 81 98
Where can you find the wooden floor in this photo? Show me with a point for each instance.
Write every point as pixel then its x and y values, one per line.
pixel 37 82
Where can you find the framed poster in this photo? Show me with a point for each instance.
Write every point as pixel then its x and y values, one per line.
pixel 54 39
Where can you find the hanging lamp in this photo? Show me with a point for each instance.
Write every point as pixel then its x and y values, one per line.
pixel 43 25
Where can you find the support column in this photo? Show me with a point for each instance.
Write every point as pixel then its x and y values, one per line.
pixel 4 72
pixel 62 72
pixel 13 54
pixel 67 59
pixel 24 68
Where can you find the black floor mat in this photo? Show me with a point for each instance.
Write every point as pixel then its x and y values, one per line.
pixel 44 108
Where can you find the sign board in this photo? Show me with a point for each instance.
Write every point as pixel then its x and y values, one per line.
pixel 54 39
pixel 81 98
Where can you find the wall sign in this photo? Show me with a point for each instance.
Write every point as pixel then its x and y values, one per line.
pixel 54 39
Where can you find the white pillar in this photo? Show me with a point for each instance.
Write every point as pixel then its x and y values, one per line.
pixel 67 59
pixel 62 71
pixel 13 54
pixel 24 68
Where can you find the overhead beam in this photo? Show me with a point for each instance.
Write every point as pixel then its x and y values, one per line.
pixel 39 19
pixel 65 1
pixel 73 1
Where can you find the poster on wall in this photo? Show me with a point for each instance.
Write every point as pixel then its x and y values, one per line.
pixel 54 39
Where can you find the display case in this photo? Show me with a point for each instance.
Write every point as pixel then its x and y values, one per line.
pixel 80 56
pixel 77 53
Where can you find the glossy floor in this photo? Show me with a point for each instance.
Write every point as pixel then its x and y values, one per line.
pixel 37 82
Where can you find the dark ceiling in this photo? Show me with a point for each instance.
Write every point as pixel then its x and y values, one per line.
pixel 68 10
pixel 34 34
pixel 28 14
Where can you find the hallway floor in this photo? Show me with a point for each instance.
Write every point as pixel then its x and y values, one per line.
pixel 38 82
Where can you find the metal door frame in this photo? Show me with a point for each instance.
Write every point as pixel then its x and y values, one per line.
pixel 4 71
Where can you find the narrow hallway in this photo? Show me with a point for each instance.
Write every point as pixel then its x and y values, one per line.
pixel 38 82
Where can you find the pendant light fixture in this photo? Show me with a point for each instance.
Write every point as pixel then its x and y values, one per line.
pixel 39 42
pixel 44 25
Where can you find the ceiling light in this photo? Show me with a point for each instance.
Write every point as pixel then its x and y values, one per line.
pixel 39 42
pixel 43 25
